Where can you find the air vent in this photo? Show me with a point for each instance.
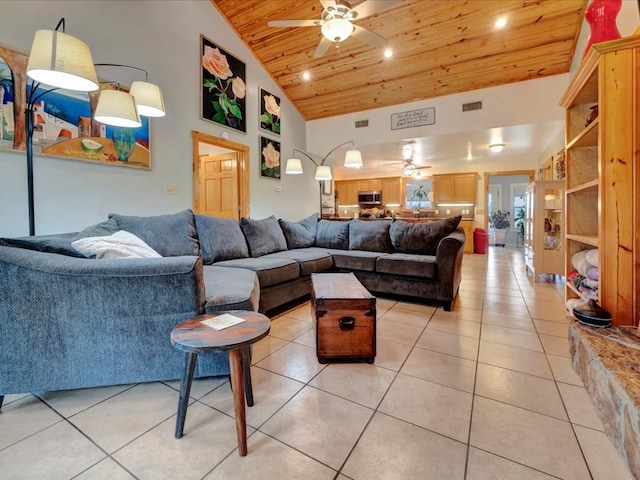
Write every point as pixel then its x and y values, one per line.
pixel 362 123
pixel 467 107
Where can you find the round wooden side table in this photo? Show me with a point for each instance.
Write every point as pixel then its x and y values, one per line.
pixel 194 337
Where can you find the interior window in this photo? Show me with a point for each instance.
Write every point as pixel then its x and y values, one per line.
pixel 419 194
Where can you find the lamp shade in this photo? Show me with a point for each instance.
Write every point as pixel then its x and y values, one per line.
pixel 294 166
pixel 61 61
pixel 323 173
pixel 117 108
pixel 353 159
pixel 337 29
pixel 149 101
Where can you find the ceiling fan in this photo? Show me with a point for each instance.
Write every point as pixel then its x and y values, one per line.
pixel 336 23
pixel 410 169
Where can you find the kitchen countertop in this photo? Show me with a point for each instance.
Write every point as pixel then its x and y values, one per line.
pixel 424 219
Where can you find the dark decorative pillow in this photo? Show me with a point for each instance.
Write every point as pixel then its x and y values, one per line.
pixel 220 239
pixel 421 238
pixel 300 234
pixel 372 235
pixel 170 235
pixel 59 243
pixel 102 229
pixel 332 234
pixel 263 236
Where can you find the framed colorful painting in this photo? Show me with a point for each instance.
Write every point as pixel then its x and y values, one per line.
pixel 269 112
pixel 63 121
pixel 269 158
pixel 223 81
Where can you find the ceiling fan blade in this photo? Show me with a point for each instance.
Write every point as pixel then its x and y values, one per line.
pixel 294 23
pixel 328 3
pixel 368 37
pixel 322 47
pixel 370 7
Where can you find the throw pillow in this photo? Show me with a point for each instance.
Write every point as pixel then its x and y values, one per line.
pixel 371 235
pixel 333 234
pixel 220 239
pixel 300 234
pixel 57 243
pixel 121 244
pixel 170 235
pixel 263 236
pixel 421 238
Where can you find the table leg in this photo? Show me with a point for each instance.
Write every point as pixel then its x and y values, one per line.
pixel 237 383
pixel 246 369
pixel 185 390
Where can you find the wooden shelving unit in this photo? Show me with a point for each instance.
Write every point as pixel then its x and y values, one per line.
pixel 602 177
pixel 544 241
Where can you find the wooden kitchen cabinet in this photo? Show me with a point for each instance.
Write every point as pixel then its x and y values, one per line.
pixel 391 191
pixel 375 184
pixel 454 188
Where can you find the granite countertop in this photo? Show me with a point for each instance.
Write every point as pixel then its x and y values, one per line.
pixel 425 219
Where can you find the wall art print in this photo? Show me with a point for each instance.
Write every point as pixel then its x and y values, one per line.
pixel 269 158
pixel 269 112
pixel 63 122
pixel 224 87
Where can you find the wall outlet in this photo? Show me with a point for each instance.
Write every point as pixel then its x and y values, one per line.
pixel 171 190
pixel 448 211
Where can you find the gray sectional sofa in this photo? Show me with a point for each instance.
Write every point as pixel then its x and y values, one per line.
pixel 68 321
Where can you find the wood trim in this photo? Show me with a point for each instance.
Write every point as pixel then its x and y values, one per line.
pixel 486 176
pixel 242 152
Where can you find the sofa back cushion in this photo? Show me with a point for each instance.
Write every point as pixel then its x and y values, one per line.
pixel 421 238
pixel 170 235
pixel 263 236
pixel 371 235
pixel 220 239
pixel 332 234
pixel 300 234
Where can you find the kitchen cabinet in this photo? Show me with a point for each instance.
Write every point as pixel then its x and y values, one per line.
pixel 467 226
pixel 391 191
pixel 454 188
pixel 375 184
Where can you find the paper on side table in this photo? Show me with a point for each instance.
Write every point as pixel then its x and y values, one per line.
pixel 222 321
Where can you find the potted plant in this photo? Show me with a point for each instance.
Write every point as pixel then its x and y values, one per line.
pixel 518 222
pixel 499 222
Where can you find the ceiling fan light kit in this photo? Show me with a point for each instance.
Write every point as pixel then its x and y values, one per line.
pixel 496 147
pixel 337 29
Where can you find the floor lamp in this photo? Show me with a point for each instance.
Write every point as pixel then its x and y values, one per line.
pixel 352 159
pixel 64 62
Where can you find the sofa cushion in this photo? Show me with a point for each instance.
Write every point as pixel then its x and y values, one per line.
pixel 311 259
pixel 409 265
pixel 170 235
pixel 271 271
pixel 421 238
pixel 61 243
pixel 220 239
pixel 300 234
pixel 332 234
pixel 230 289
pixel 355 259
pixel 371 235
pixel 121 244
pixel 263 236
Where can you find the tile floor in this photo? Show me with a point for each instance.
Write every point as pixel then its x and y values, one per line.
pixel 483 392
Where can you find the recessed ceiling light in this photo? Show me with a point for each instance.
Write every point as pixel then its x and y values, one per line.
pixel 388 53
pixel 501 22
pixel 306 75
pixel 496 147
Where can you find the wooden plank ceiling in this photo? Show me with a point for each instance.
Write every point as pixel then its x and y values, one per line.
pixel 440 47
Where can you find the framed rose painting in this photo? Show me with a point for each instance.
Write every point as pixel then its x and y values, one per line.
pixel 269 112
pixel 269 158
pixel 224 87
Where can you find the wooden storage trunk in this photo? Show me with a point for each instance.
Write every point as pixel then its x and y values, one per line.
pixel 345 317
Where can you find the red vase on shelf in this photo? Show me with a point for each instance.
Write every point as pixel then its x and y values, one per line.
pixel 601 16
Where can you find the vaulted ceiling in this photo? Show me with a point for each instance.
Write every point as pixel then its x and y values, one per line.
pixel 440 47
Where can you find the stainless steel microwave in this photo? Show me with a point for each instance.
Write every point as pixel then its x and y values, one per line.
pixel 370 198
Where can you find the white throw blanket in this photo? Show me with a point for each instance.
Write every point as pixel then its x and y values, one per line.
pixel 121 244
